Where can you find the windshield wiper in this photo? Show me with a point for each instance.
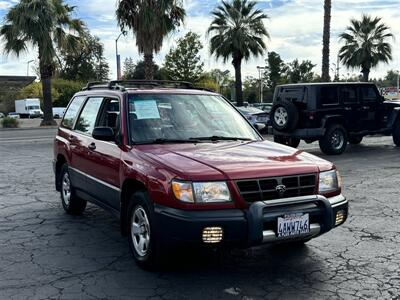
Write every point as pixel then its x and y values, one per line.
pixel 166 141
pixel 220 138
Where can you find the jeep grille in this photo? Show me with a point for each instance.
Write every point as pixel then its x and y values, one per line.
pixel 262 189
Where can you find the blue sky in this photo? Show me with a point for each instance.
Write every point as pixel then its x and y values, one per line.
pixel 295 27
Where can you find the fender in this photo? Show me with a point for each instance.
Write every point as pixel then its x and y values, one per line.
pixel 394 117
pixel 332 117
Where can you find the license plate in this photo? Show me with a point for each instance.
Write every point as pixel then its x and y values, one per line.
pixel 293 224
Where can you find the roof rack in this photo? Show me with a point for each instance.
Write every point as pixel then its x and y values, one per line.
pixel 138 84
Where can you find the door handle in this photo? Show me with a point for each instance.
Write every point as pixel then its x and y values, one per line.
pixel 92 146
pixel 365 107
pixel 72 138
pixel 347 108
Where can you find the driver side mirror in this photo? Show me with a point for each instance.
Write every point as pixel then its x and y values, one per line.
pixel 103 134
pixel 259 126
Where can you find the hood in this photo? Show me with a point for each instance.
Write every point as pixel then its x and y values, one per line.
pixel 233 160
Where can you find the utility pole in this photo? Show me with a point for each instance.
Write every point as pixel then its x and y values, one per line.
pixel 118 57
pixel 259 68
pixel 27 67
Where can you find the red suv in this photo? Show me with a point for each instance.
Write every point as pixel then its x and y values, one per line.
pixel 182 165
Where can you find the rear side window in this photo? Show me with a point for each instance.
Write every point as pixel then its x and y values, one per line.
pixel 88 116
pixel 72 111
pixel 348 94
pixel 329 95
pixel 368 94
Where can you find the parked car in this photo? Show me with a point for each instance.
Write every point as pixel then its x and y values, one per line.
pixel 178 165
pixel 13 115
pixel 263 106
pixel 254 115
pixel 58 112
pixel 1 115
pixel 333 114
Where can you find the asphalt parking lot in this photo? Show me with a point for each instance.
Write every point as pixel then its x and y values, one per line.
pixel 45 253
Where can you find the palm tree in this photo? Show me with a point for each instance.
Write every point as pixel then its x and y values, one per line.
pixel 46 25
pixel 238 31
pixel 151 21
pixel 326 40
pixel 366 44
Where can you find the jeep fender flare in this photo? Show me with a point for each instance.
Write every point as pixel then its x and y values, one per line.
pixel 394 117
pixel 329 119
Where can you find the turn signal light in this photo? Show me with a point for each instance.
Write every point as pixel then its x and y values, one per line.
pixel 212 235
pixel 340 215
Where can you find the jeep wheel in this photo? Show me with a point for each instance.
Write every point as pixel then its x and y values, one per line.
pixel 334 142
pixel 287 140
pixel 71 203
pixel 396 134
pixel 355 140
pixel 284 116
pixel 142 231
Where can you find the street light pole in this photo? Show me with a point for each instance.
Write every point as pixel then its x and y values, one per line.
pixel 259 68
pixel 118 57
pixel 27 67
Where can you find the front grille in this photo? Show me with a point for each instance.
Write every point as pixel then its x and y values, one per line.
pixel 263 189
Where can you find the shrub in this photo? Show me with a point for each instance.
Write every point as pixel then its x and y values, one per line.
pixel 8 122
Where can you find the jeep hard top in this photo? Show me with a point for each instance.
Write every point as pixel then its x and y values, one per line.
pixel 333 114
pixel 181 165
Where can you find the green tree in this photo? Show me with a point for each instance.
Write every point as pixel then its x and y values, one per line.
pixel 365 44
pixel 128 68
pixel 300 71
pixel 150 21
pixel 86 62
pixel 325 40
pixel 237 32
pixel 47 25
pixel 251 89
pixel 184 62
pixel 276 71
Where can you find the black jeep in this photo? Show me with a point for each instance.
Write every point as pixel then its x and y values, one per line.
pixel 333 114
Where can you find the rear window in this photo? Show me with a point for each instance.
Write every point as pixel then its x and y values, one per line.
pixel 72 111
pixel 328 95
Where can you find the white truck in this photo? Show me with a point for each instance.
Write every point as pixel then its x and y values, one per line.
pixel 28 108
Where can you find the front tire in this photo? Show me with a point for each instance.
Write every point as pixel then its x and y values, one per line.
pixel 334 142
pixel 396 134
pixel 143 231
pixel 71 203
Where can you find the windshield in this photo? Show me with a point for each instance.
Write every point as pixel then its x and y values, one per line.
pixel 171 117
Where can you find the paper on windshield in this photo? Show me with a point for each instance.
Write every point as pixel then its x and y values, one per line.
pixel 146 109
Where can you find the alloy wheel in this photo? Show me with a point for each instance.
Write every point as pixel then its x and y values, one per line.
pixel 140 231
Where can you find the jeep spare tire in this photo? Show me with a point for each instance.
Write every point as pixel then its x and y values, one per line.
pixel 284 116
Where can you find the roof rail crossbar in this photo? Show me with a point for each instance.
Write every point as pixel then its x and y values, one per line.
pixel 95 84
pixel 137 83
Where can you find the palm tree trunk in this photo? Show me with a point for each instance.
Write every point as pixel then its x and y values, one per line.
pixel 365 73
pixel 237 63
pixel 46 72
pixel 148 66
pixel 325 41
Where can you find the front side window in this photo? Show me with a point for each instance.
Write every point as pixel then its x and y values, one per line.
pixel 368 94
pixel 72 111
pixel 88 116
pixel 184 117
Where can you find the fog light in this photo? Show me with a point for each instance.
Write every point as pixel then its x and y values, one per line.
pixel 340 215
pixel 212 235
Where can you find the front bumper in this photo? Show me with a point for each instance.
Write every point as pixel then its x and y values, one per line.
pixel 254 226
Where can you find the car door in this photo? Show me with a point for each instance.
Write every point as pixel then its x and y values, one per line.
pixel 103 157
pixel 370 107
pixel 350 102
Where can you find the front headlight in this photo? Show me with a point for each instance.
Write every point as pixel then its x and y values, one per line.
pixel 201 192
pixel 329 181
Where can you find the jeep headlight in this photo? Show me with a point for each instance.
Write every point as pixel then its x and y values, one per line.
pixel 329 181
pixel 201 192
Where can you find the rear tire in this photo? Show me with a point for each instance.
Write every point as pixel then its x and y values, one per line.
pixel 355 140
pixel 71 203
pixel 287 140
pixel 143 232
pixel 334 142
pixel 396 134
pixel 284 116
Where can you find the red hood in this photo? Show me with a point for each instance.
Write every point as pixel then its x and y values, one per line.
pixel 233 160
